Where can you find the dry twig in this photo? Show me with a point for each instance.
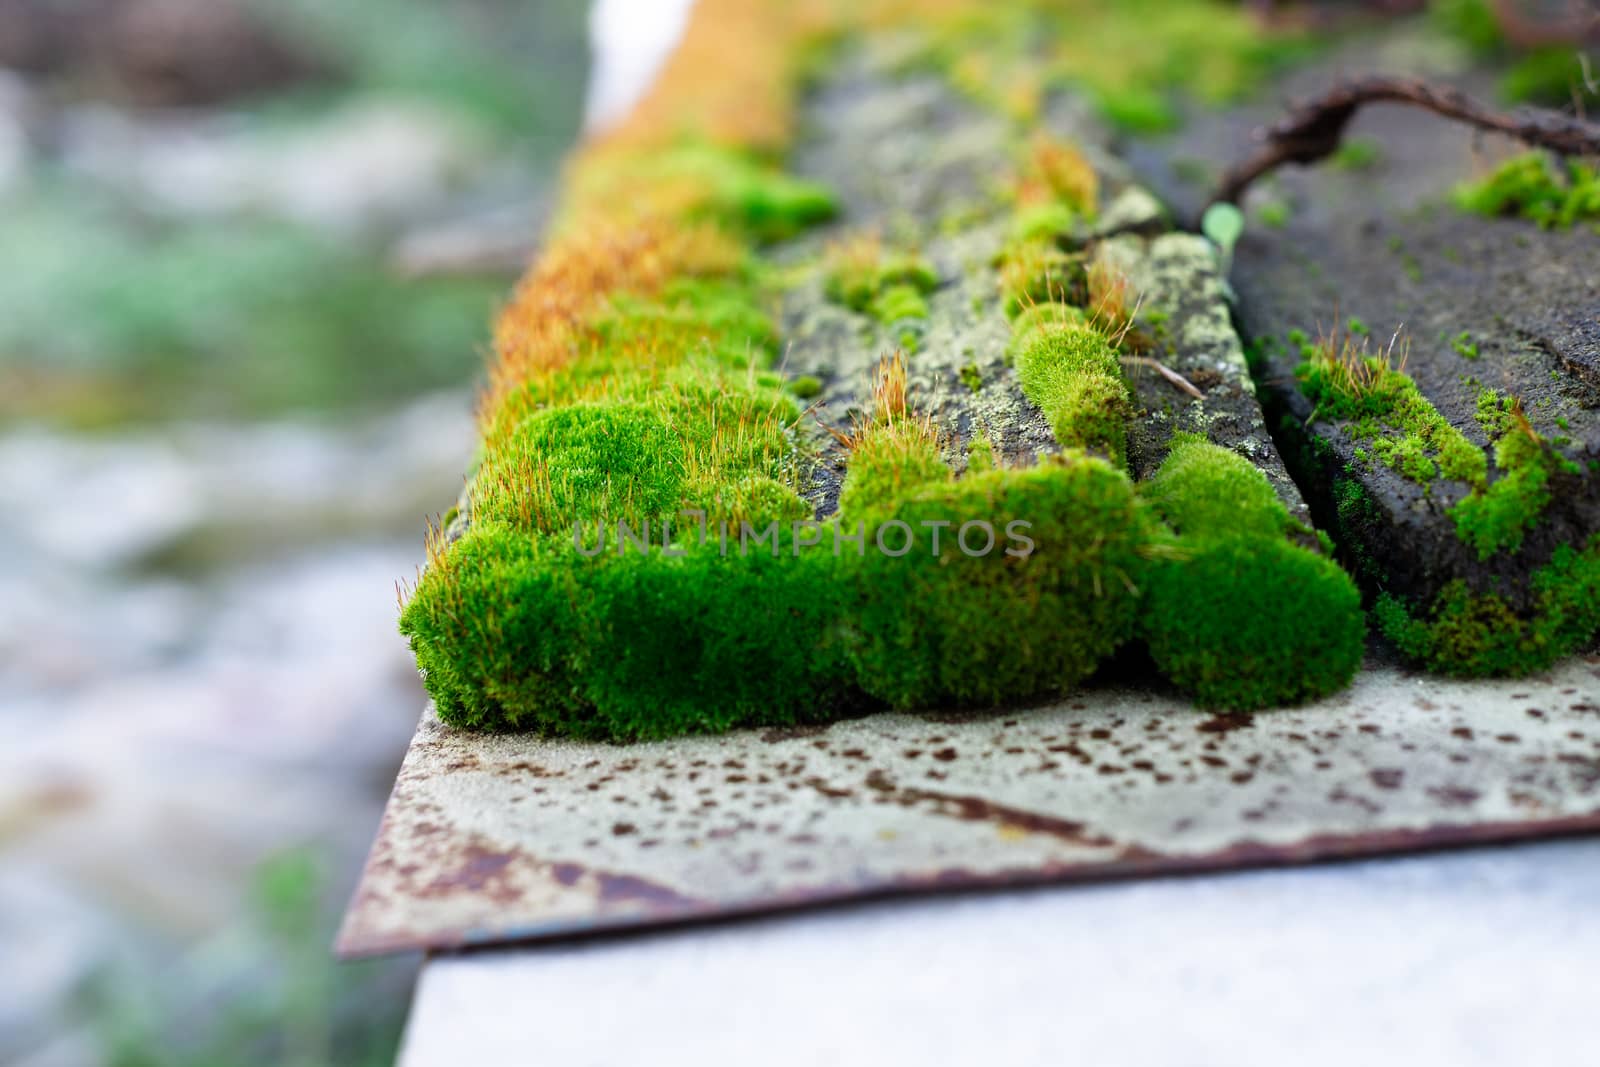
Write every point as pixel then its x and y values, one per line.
pixel 1313 130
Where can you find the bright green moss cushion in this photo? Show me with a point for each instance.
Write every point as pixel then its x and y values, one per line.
pixel 1238 616
pixel 925 629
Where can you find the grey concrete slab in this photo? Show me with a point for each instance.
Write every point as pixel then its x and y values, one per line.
pixel 1483 957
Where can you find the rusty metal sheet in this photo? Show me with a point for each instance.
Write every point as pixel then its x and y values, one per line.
pixel 498 838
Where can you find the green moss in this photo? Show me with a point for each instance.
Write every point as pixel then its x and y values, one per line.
pixel 1473 22
pixel 706 642
pixel 483 635
pixel 1495 518
pixel 739 189
pixel 1383 408
pixel 521 633
pixel 1464 346
pixel 1546 76
pixel 887 461
pixel 1356 514
pixel 1398 427
pixel 889 286
pixel 1480 635
pixel 971 377
pixel 1037 272
pixel 805 386
pixel 1040 318
pixel 926 629
pixel 1536 187
pixel 1044 222
pixel 1237 615
pixel 581 462
pixel 1357 153
pixel 980 454
pixel 899 302
pixel 1245 624
pixel 1274 213
pixel 1138 110
pixel 1201 489
pixel 1075 378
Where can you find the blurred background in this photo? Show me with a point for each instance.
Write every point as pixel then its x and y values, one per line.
pixel 249 252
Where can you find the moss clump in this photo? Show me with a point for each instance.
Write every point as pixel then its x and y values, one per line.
pixel 1045 223
pixel 890 286
pixel 898 303
pixel 1398 427
pixel 1546 76
pixel 1035 582
pixel 1039 319
pixel 1383 408
pixel 1274 213
pixel 1202 488
pixel 571 464
pixel 526 634
pixel 1037 272
pixel 1478 635
pixel 889 460
pixel 1357 153
pixel 706 642
pixel 1075 377
pixel 724 184
pixel 483 664
pixel 1495 517
pixel 806 386
pixel 1535 187
pixel 1237 615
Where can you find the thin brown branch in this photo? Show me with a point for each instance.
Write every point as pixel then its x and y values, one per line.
pixel 1313 130
pixel 1166 372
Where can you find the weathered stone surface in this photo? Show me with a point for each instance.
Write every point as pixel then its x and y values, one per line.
pixel 1383 246
pixel 1530 301
pixel 913 161
pixel 1180 290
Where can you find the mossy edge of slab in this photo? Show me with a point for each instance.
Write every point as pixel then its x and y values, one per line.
pixel 643 338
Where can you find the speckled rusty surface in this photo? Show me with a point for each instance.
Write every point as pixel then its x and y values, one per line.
pixel 499 838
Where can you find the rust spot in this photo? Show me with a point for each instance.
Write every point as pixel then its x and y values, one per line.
pixel 832 792
pixel 1388 777
pixel 979 809
pixel 945 755
pixel 1226 724
pixel 1455 796
pixel 480 870
pixel 612 888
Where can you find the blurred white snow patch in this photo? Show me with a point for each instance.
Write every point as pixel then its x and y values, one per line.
pixel 631 39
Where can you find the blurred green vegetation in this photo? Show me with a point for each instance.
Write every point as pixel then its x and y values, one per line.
pixel 113 310
pixel 271 995
pixel 119 317
pixel 516 65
